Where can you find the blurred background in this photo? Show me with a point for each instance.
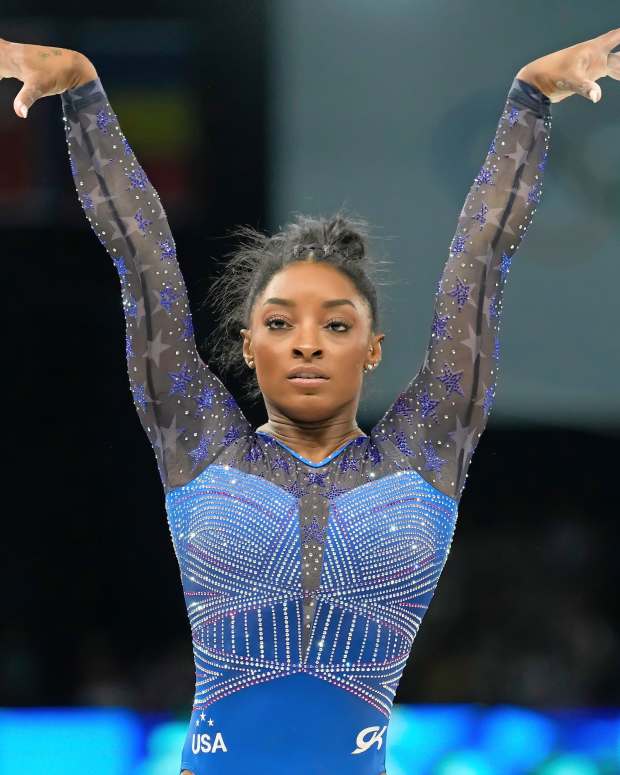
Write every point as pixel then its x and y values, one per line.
pixel 249 112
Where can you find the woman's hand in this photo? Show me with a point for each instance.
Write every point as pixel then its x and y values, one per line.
pixel 44 70
pixel 576 69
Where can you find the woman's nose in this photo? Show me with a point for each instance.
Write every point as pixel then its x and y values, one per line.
pixel 307 350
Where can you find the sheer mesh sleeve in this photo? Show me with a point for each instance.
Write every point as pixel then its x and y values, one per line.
pixel 185 410
pixel 435 423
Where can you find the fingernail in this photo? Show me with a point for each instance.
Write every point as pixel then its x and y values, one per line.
pixel 23 110
pixel 593 95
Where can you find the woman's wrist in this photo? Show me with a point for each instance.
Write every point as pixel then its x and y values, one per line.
pixel 526 94
pixel 84 71
pixel 529 75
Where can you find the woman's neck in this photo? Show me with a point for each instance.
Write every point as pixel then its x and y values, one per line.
pixel 315 444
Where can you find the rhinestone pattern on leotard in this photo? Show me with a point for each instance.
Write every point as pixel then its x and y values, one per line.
pixel 291 567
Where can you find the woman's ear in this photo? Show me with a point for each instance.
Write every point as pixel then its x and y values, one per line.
pixel 247 342
pixel 377 342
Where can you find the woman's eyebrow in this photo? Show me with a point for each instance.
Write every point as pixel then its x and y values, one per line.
pixel 291 303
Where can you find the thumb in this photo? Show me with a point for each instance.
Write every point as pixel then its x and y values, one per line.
pixel 26 97
pixel 590 90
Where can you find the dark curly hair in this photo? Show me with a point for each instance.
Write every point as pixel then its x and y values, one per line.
pixel 259 257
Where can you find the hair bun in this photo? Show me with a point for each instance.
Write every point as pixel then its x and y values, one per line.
pixel 347 237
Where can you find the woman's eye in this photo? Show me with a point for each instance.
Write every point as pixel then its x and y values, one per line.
pixel 343 326
pixel 274 320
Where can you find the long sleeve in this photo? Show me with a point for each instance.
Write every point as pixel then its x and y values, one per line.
pixel 436 422
pixel 186 411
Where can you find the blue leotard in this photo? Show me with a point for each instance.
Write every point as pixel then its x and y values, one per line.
pixel 306 582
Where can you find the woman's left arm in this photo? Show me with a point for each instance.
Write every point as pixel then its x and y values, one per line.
pixel 436 422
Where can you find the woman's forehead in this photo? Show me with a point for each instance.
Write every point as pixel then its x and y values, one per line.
pixel 304 277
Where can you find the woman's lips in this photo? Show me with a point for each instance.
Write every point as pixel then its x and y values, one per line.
pixel 308 381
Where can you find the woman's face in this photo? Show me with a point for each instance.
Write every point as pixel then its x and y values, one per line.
pixel 311 314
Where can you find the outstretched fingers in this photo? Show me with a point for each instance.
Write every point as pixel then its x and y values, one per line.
pixel 610 39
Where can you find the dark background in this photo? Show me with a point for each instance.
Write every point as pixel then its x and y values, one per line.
pixel 92 606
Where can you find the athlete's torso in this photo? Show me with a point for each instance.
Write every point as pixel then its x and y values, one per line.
pixel 305 585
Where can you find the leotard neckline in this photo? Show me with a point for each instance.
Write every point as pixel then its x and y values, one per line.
pixel 305 460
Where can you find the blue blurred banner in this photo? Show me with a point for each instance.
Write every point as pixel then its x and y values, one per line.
pixel 422 740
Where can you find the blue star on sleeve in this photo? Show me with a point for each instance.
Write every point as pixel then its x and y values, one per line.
pixel 122 270
pixel 428 405
pixel 168 250
pixel 403 405
pixel 505 265
pixel 481 215
pixel 139 394
pixel 232 435
pixel 143 223
pixel 451 380
pixel 432 461
pixel 230 405
pixel 349 463
pixel 280 463
pixel 458 244
pixel 181 381
pixel 137 179
pixel 204 399
pixel 403 444
pixel 485 177
pixel 188 327
pixel 131 306
pixel 489 396
pixel 513 117
pixel 167 298
pixel 460 293
pixel 103 121
pixel 201 451
pixel 439 326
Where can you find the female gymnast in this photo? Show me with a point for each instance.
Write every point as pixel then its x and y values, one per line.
pixel 308 551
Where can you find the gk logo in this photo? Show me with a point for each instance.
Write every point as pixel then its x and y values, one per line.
pixel 368 737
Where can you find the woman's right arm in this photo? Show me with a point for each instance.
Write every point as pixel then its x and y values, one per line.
pixel 185 410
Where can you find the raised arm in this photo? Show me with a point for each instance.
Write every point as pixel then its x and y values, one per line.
pixel 437 420
pixel 434 425
pixel 186 411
